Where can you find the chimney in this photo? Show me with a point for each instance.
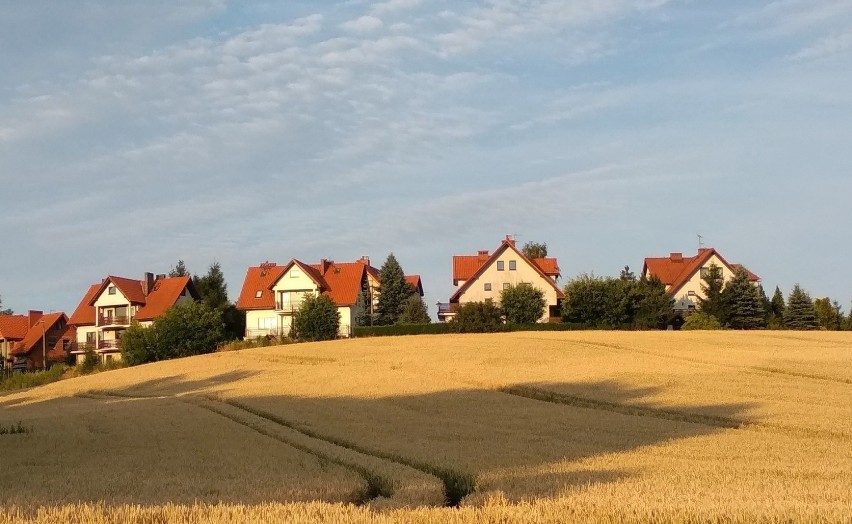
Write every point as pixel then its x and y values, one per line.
pixel 364 260
pixel 676 257
pixel 147 283
pixel 324 265
pixel 34 316
pixel 483 254
pixel 161 276
pixel 510 239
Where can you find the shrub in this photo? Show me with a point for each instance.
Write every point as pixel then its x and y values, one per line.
pixel 414 311
pixel 477 317
pixel 701 321
pixel 32 379
pixel 522 304
pixel 316 319
pixel 403 329
pixel 90 360
pixel 185 330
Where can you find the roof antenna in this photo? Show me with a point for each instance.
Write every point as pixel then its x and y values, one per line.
pixel 700 242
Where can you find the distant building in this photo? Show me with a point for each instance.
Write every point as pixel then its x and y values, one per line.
pixel 482 277
pixel 683 276
pixel 46 337
pixel 107 309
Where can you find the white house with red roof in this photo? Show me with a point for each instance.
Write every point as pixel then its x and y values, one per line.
pixel 108 308
pixel 683 276
pixel 483 276
pixel 271 294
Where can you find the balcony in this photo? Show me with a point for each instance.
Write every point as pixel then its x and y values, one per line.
pixel 288 306
pixel 109 344
pixel 447 310
pixel 114 320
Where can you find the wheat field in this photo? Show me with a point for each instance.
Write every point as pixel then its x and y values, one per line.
pixel 509 427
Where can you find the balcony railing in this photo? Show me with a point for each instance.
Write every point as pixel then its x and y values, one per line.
pixel 288 306
pixel 114 320
pixel 109 344
pixel 448 307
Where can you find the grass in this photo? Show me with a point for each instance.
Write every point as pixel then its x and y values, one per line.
pixel 528 426
pixel 31 379
pixel 15 429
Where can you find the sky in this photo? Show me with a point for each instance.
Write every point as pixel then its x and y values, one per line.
pixel 135 134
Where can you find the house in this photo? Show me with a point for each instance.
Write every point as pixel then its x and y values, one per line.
pixel 683 276
pixel 108 308
pixel 483 276
pixel 13 329
pixel 46 338
pixel 271 294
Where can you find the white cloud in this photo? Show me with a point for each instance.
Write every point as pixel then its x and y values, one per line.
pixel 364 24
pixel 393 6
pixel 826 47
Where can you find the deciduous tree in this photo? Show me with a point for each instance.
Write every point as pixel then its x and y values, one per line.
pixel 828 315
pixel 533 250
pixel 522 304
pixel 4 311
pixel 316 319
pixel 478 317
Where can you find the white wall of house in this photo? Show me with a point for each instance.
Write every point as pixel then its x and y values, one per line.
pixel 692 288
pixel 106 300
pixel 496 279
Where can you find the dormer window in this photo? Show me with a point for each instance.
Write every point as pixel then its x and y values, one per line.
pixel 111 290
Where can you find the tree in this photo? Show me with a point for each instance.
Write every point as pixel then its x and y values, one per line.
pixel 776 307
pixel 214 292
pixel 799 313
pixel 414 311
pixel 745 306
pixel 364 316
pixel 713 302
pixel 186 329
pixel 828 315
pixel 652 306
pixel 4 311
pixel 477 317
pixel 522 303
pixel 627 275
pixel 179 270
pixel 393 293
pixel 316 319
pixel 533 250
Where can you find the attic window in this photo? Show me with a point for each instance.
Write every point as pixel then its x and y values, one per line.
pixel 111 290
pixel 500 265
pixel 258 294
pixel 294 273
pixel 488 286
pixel 513 265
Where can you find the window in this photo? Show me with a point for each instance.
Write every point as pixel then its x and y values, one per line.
pixel 295 273
pixel 258 294
pixel 111 290
pixel 691 293
pixel 488 286
pixel 513 265
pixel 506 285
pixel 500 266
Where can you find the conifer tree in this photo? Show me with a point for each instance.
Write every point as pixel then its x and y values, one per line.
pixel 777 303
pixel 746 307
pixel 179 270
pixel 799 313
pixel 5 311
pixel 393 293
pixel 713 302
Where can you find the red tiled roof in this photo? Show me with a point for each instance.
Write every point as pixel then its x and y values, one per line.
pixel 415 282
pixel 676 270
pixel 463 263
pixel 465 266
pixel 130 288
pixel 33 337
pixel 751 276
pixel 548 266
pixel 14 327
pixel 164 295
pixel 84 315
pixel 339 281
pixel 259 279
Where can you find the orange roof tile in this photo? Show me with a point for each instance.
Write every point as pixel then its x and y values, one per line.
pixel 465 262
pixel 14 327
pixel 84 315
pixel 130 288
pixel 548 266
pixel 164 295
pixel 343 281
pixel 257 287
pixel 415 282
pixel 676 270
pixel 33 337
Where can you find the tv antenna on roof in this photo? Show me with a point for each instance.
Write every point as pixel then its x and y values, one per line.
pixel 700 242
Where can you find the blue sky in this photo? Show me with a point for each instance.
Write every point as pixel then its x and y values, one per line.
pixel 136 134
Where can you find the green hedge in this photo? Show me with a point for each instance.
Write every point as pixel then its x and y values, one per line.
pixel 445 328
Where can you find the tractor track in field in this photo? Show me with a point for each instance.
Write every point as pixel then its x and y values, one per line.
pixel 456 484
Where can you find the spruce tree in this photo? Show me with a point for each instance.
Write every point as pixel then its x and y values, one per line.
pixel 5 311
pixel 799 313
pixel 393 292
pixel 777 304
pixel 713 301
pixel 212 287
pixel 746 309
pixel 179 270
pixel 414 311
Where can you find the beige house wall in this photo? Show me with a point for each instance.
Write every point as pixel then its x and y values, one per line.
pixel 523 273
pixel 694 284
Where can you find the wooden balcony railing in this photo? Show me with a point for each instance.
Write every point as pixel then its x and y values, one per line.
pixel 109 344
pixel 114 320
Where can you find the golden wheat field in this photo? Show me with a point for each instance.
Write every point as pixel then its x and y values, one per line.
pixel 510 427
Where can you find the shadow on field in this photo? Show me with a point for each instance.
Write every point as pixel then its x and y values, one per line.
pixel 526 440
